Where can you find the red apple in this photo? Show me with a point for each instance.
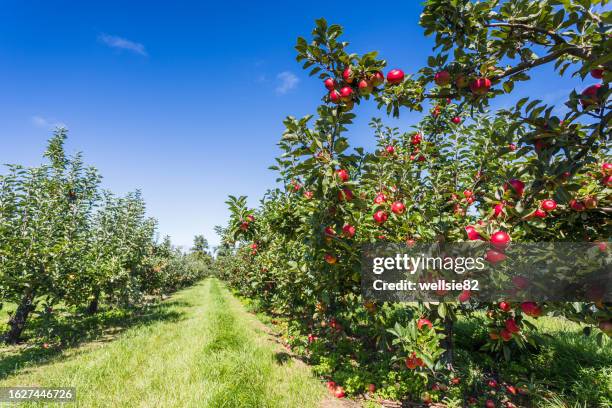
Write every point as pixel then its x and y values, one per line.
pixel 377 78
pixel 517 186
pixel 539 213
pixel 339 392
pixel 390 149
pixel 424 322
pixel 456 120
pixel 416 139
pixel 492 383
pixel 308 194
pixel 395 76
pixel 330 84
pixel 347 75
pixel 480 86
pixel 413 361
pixel 380 198
pixel 500 239
pixel 348 230
pixel 606 168
pixel 398 207
pixel 548 205
pixel 498 210
pixel 342 175
pixel 577 205
pixel 329 231
pixel 490 404
pixel 589 97
pixel 442 78
pixel 531 309
pixel 244 226
pixel 511 326
pixel 345 194
pixel 380 217
pixel 472 234
pixel 494 256
pixel 597 73
pixel 331 385
pixel 464 296
pixel 345 93
pixel 511 389
pixel 296 185
pixel 371 388
pixel 505 306
pixel 591 202
pixel 512 147
pixel 334 96
pixel 467 193
pixel 365 87
pixel 330 259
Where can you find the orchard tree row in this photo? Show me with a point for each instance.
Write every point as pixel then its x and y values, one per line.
pixel 64 240
pixel 528 173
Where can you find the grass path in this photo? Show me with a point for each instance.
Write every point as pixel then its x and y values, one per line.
pixel 211 353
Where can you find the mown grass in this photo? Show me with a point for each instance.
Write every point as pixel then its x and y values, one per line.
pixel 199 349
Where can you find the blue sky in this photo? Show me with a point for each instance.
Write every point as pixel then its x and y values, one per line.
pixel 185 100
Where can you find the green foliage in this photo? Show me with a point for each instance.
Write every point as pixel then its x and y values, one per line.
pixel 301 256
pixel 62 240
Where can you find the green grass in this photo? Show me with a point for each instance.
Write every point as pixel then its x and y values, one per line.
pixel 198 349
pixel 565 366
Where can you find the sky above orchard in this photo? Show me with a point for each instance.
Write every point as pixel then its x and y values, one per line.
pixel 185 100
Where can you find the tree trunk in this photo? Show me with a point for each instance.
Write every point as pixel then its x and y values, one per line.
pixel 18 320
pixel 94 304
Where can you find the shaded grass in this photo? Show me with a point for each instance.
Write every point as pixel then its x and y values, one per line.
pixel 74 330
pixel 205 351
pixel 565 364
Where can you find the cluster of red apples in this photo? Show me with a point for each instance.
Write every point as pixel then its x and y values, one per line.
pixel 351 86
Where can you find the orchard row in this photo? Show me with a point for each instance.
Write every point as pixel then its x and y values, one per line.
pixel 521 174
pixel 65 241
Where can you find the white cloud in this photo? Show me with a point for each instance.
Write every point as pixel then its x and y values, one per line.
pixel 286 82
pixel 122 44
pixel 46 123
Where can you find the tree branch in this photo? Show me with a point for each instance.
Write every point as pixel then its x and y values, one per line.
pixel 540 61
pixel 558 39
